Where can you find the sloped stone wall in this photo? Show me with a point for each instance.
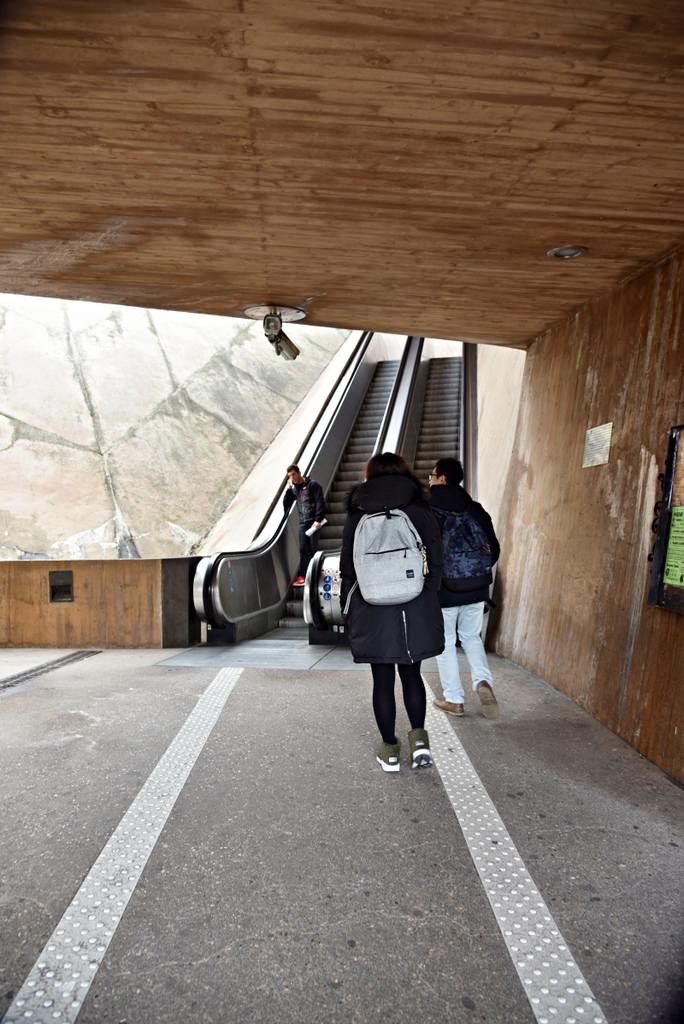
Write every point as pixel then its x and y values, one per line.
pixel 125 432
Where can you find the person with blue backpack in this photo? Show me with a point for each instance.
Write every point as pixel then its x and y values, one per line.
pixel 469 550
pixel 390 566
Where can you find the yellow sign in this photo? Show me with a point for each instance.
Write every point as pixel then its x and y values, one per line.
pixel 674 559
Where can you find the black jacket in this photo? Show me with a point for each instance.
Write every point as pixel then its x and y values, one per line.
pixel 393 634
pixel 310 501
pixel 453 498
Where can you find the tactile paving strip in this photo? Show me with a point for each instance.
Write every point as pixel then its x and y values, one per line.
pixel 551 978
pixel 58 983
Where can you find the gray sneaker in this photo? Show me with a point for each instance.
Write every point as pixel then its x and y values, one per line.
pixel 419 746
pixel 388 757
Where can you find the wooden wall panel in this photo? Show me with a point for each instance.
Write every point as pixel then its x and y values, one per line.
pixel 116 604
pixel 574 571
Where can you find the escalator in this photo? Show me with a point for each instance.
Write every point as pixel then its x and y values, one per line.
pixel 410 406
pixel 435 403
pixel 439 436
pixel 244 594
pixel 358 450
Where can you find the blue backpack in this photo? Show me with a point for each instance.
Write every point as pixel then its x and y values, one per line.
pixel 466 555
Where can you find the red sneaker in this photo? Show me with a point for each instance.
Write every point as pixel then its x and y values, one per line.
pixel 299 582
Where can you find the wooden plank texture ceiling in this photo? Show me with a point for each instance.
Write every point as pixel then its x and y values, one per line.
pixel 402 166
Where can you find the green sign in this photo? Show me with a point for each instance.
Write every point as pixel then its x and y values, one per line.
pixel 674 560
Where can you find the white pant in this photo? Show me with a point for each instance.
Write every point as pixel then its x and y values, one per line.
pixel 468 620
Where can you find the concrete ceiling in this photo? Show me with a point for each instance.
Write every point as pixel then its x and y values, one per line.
pixel 398 166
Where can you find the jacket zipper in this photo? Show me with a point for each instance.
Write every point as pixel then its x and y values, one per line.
pixel 408 649
pixel 349 597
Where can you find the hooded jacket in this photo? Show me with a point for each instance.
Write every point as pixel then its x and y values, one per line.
pixel 393 634
pixel 453 498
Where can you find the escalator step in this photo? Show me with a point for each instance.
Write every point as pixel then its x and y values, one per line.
pixel 292 623
pixel 328 545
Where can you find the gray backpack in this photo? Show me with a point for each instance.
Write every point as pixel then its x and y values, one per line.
pixel 390 560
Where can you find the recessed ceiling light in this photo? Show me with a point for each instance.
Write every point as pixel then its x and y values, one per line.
pixel 567 252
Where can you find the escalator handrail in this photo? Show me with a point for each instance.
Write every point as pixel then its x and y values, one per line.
pixel 387 415
pixel 396 418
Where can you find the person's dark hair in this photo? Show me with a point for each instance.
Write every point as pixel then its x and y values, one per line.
pixel 292 468
pixel 451 469
pixel 389 464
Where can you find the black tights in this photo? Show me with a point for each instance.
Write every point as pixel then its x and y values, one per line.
pixel 384 705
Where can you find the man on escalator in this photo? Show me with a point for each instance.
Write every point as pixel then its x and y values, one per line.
pixel 311 507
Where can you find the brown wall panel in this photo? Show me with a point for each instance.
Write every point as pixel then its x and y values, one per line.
pixel 574 571
pixel 116 604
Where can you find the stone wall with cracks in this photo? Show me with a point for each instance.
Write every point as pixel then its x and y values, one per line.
pixel 125 432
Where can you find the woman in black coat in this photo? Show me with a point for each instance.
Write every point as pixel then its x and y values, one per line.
pixel 398 634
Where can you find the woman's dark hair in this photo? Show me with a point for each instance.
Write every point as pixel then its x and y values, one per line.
pixel 389 464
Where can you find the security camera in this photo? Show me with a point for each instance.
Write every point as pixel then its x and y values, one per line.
pixel 286 348
pixel 273 329
pixel 273 325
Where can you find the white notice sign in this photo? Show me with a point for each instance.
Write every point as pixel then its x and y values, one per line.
pixel 597 445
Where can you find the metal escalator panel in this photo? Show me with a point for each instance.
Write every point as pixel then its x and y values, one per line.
pixel 322 610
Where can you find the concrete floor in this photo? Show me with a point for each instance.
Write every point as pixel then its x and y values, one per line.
pixel 294 881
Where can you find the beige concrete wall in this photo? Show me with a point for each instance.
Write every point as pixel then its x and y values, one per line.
pixel 499 388
pixel 574 575
pixel 126 432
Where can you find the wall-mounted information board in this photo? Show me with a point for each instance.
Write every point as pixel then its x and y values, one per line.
pixel 667 578
pixel 597 445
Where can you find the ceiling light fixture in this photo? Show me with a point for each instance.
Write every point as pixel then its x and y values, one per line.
pixel 568 252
